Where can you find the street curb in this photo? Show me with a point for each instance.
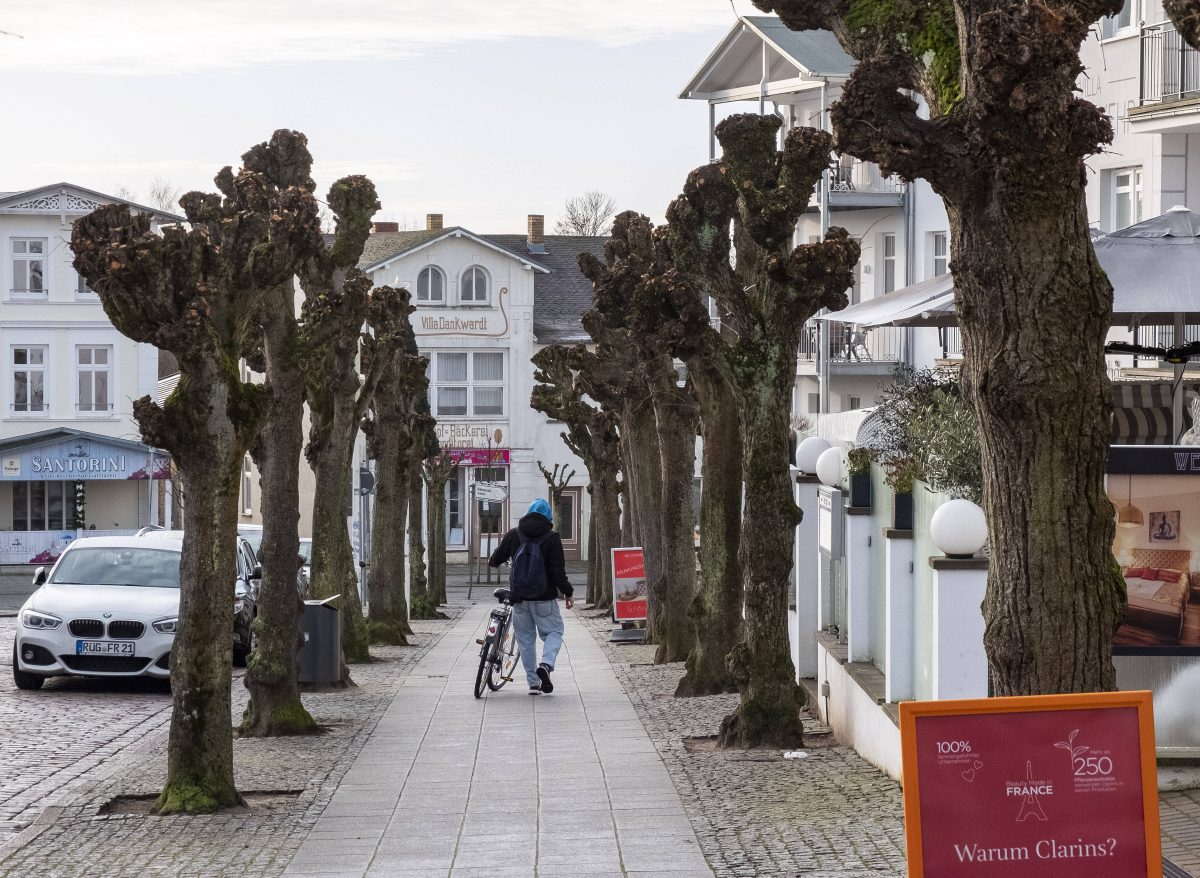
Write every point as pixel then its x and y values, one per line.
pixel 44 821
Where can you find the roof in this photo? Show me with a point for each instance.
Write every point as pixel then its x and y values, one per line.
pixel 80 200
pixel 561 293
pixel 799 58
pixel 63 434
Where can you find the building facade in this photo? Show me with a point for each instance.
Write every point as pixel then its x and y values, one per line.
pixel 71 459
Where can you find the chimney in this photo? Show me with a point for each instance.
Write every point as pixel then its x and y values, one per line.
pixel 433 222
pixel 537 233
pixel 376 228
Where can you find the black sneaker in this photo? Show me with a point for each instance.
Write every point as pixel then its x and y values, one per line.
pixel 543 672
pixel 535 689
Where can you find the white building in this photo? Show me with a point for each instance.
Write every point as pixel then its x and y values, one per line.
pixel 69 381
pixel 762 66
pixel 485 305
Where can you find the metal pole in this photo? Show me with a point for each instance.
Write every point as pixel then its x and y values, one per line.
pixel 823 328
pixel 1177 387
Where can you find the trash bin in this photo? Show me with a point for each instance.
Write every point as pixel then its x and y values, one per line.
pixel 321 652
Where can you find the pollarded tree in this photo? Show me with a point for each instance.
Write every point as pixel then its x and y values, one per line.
pixel 423 603
pixel 390 441
pixel 562 374
pixel 557 481
pixel 1003 144
pixel 765 298
pixel 659 422
pixel 196 293
pixel 349 327
pixel 437 472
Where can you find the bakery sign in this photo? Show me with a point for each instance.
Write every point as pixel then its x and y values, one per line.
pixel 1061 786
pixel 81 459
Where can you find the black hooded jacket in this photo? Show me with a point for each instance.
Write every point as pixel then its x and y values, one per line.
pixel 533 527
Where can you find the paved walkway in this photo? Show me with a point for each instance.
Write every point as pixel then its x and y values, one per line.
pixel 451 786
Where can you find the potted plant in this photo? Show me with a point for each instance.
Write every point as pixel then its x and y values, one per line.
pixel 900 477
pixel 858 463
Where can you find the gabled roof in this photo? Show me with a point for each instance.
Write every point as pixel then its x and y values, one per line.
pixel 386 247
pixel 71 198
pixel 795 57
pixel 64 434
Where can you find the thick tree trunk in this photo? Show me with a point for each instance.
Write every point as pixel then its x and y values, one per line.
pixel 333 557
pixel 672 593
pixel 437 541
pixel 387 611
pixel 200 747
pixel 1035 376
pixel 423 605
pixel 606 525
pixel 273 669
pixel 631 533
pixel 769 712
pixel 646 478
pixel 593 582
pixel 716 612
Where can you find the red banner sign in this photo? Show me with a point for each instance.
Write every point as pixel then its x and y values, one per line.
pixel 480 456
pixel 1061 786
pixel 629 585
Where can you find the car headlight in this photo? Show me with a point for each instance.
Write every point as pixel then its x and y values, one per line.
pixel 166 626
pixel 34 619
pixel 238 606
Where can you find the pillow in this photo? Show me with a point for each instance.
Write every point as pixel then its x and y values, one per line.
pixel 1136 572
pixel 1169 575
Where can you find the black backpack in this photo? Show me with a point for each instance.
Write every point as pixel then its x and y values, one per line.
pixel 528 582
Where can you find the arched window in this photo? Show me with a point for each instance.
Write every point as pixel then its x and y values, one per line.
pixel 431 286
pixel 474 287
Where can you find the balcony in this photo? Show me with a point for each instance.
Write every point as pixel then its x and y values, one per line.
pixel 854 349
pixel 1169 92
pixel 858 185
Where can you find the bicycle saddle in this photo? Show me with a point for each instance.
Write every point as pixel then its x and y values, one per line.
pixel 501 594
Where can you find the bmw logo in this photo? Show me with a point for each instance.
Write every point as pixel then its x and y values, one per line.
pixel 107 615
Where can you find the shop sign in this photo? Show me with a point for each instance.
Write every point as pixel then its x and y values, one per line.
pixel 629 585
pixel 480 456
pixel 467 435
pixel 83 460
pixel 1060 786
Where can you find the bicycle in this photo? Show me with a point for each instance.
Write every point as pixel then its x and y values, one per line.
pixel 499 653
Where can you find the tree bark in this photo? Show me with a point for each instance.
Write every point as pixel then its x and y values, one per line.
pixel 437 541
pixel 272 674
pixel 387 613
pixel 593 569
pixel 423 606
pixel 716 612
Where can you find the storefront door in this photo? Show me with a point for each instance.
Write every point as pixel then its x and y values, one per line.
pixel 570 527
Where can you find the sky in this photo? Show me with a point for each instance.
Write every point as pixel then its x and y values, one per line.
pixel 482 110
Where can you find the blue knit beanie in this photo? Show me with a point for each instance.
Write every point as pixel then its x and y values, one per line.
pixel 542 508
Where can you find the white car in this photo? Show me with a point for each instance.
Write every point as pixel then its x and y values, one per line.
pixel 109 607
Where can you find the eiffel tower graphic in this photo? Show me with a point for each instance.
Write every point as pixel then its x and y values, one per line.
pixel 1030 806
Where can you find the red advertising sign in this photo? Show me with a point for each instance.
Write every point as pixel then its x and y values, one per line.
pixel 480 456
pixel 1053 785
pixel 629 585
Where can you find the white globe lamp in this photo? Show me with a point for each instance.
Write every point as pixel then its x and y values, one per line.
pixel 829 467
pixel 808 452
pixel 958 528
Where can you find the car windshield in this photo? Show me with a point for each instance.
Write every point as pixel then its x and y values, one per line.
pixel 118 565
pixel 253 537
pixel 306 550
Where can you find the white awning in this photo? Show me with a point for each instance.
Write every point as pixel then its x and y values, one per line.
pixel 928 303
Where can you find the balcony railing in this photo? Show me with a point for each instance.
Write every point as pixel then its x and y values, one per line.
pixel 860 176
pixel 849 343
pixel 1170 67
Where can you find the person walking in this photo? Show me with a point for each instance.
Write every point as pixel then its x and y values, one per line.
pixel 538 577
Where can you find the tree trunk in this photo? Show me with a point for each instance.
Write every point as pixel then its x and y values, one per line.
pixel 631 533
pixel 606 525
pixel 593 569
pixel 333 570
pixel 200 747
pixel 716 613
pixel 437 540
pixel 387 612
pixel 1035 376
pixel 646 477
pixel 272 674
pixel 673 591
pixel 769 712
pixel 423 606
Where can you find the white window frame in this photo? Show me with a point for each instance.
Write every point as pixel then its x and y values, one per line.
pixel 247 486
pixel 887 263
pixel 428 302
pixel 14 257
pixel 83 292
pixel 1134 189
pixel 939 262
pixel 487 280
pixel 30 369
pixel 91 411
pixel 1123 24
pixel 469 384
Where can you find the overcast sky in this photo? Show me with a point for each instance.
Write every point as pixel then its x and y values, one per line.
pixel 483 110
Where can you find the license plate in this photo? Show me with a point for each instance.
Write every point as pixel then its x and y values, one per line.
pixel 103 647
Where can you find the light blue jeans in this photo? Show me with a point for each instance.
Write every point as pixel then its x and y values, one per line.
pixel 538 619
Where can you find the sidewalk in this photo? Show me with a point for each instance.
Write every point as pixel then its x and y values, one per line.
pixel 451 786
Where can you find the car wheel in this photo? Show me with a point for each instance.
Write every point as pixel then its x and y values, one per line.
pixel 24 680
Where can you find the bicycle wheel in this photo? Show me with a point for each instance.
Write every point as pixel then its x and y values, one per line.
pixel 485 656
pixel 507 654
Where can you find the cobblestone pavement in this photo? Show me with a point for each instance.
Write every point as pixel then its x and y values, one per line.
pixel 1179 815
pixel 757 814
pixel 75 745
